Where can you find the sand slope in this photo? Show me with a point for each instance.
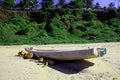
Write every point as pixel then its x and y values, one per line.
pixel 105 68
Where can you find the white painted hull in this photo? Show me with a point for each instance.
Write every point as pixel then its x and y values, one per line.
pixel 69 54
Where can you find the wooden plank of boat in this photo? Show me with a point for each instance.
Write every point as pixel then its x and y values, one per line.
pixel 69 54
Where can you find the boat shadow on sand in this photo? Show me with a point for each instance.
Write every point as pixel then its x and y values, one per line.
pixel 71 67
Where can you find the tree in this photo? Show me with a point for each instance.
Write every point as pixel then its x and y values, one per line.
pixel 77 4
pixel 111 11
pixel 9 3
pixel 1 4
pixel 105 8
pixel 47 4
pixel 26 3
pixel 111 5
pixel 89 15
pixel 32 4
pixel 97 6
pixel 89 3
pixel 29 4
pixel 61 4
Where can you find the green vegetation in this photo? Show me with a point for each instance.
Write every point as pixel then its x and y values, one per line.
pixel 53 25
pixel 58 26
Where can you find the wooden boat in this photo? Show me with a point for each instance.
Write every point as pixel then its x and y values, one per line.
pixel 69 54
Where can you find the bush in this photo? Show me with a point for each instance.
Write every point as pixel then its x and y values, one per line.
pixel 18 21
pixel 7 33
pixel 114 24
pixel 89 15
pixel 57 33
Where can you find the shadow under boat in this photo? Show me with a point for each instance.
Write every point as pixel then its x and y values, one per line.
pixel 71 67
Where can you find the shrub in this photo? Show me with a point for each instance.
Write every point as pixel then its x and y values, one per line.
pixel 18 21
pixel 57 32
pixel 7 33
pixel 89 15
pixel 114 24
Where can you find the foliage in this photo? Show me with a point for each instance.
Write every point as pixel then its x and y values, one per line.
pixel 47 4
pixel 17 20
pixel 7 33
pixel 112 13
pixel 9 3
pixel 63 25
pixel 88 3
pixel 77 3
pixel 89 15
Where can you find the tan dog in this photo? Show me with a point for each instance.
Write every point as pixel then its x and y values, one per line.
pixel 28 56
pixel 45 61
pixel 25 55
pixel 21 53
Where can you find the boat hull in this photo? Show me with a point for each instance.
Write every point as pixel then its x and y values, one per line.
pixel 69 54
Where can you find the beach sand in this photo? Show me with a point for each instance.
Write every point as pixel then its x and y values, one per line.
pixel 107 67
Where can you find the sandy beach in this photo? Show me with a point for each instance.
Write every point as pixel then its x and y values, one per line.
pixel 107 67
